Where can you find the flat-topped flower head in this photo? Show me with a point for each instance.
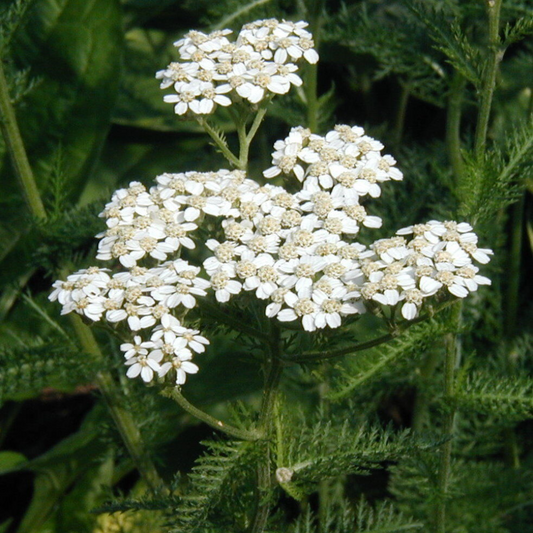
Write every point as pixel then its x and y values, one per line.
pixel 213 71
pixel 296 251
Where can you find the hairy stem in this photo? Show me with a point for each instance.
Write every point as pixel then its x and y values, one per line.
pixel 494 56
pixel 450 361
pixel 420 409
pixel 221 143
pixel 246 137
pixel 244 147
pixel 274 367
pixel 255 124
pixel 232 431
pixel 453 125
pixel 17 152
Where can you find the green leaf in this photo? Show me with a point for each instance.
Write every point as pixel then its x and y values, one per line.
pixel 450 39
pixel 338 447
pixel 340 517
pixel 75 48
pixel 9 461
pixel 508 397
pixel 11 18
pixel 373 364
pixel 495 181
pixel 140 102
pixel 60 467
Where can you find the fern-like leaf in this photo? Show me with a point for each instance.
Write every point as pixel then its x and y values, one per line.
pixel 372 364
pixel 511 398
pixel 365 518
pixel 209 481
pixel 452 42
pixel 332 448
pixel 495 181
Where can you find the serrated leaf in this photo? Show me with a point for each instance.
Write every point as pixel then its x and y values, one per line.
pixel 510 397
pixel 371 364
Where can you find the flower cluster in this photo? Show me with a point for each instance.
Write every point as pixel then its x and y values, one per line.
pixel 438 256
pixel 142 298
pixel 215 71
pixel 296 251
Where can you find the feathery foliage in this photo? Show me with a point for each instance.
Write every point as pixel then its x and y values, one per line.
pixel 364 518
pixel 508 397
pixel 365 368
pixel 381 425
pixel 496 181
pixel 211 480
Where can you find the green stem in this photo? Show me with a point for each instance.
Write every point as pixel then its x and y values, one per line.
pixel 17 152
pixel 324 485
pixel 420 409
pixel 494 56
pixel 220 142
pixel 451 356
pixel 246 137
pixel 512 301
pixel 311 80
pixel 400 116
pixel 244 147
pixel 264 473
pixel 309 357
pixel 453 126
pixel 112 395
pixel 232 431
pixel 256 123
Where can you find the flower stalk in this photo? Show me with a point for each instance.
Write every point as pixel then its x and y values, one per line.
pixel 242 434
pixel 17 152
pixel 450 362
pixel 311 81
pixel 494 57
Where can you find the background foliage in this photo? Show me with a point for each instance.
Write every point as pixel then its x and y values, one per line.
pixel 359 436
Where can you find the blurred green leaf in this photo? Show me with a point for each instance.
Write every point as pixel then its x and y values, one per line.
pixel 140 102
pixel 89 492
pixel 10 461
pixel 62 466
pixel 75 48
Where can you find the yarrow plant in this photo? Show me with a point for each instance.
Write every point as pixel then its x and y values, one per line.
pixel 297 251
pixel 316 301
